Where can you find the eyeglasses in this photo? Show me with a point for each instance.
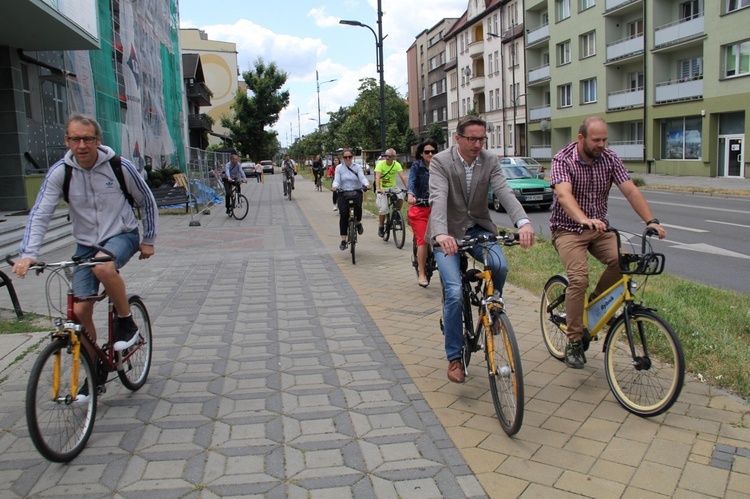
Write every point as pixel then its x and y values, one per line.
pixel 473 140
pixel 77 140
pixel 390 156
pixel 429 151
pixel 347 157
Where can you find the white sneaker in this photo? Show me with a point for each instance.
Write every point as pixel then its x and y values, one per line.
pixel 335 208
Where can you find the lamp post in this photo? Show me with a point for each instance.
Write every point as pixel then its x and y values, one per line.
pixel 299 124
pixel 319 83
pixel 378 63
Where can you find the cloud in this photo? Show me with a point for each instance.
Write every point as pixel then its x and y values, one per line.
pixel 321 19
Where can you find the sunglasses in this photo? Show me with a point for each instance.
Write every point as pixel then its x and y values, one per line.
pixel 429 151
pixel 347 157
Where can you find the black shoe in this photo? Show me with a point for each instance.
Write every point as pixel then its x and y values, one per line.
pixel 360 229
pixel 125 334
pixel 342 246
pixel 228 211
pixel 574 356
pixel 381 231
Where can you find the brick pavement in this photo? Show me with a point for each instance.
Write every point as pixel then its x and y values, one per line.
pixel 336 386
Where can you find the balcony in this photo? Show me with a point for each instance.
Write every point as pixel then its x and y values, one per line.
pixel 536 35
pixel 540 113
pixel 679 31
pixel 627 47
pixel 625 99
pixel 679 90
pixel 538 74
pixel 476 84
pixel 632 150
pixel 616 4
pixel 198 93
pixel 198 122
pixel 541 151
pixel 476 49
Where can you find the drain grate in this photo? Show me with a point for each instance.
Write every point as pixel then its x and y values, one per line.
pixel 723 455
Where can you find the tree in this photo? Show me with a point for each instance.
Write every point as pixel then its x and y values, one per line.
pixel 409 139
pixel 435 132
pixel 257 109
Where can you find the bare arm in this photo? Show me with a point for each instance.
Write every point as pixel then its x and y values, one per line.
pixel 640 205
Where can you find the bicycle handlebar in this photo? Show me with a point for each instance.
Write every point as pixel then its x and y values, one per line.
pixel 39 267
pixel 647 232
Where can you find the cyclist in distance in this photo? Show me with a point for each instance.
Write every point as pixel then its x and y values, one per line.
pixel 349 177
pixel 335 162
pixel 581 176
pixel 460 178
pixel 233 174
pixel 418 194
pixel 317 169
pixel 385 178
pixel 101 214
pixel 289 169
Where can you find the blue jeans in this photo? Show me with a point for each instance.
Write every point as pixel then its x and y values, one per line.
pixel 450 275
pixel 124 246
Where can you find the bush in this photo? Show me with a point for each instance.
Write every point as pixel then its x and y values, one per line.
pixel 638 181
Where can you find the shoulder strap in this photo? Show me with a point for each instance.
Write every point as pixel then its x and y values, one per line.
pixel 116 164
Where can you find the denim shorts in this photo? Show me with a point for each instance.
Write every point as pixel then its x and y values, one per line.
pixel 124 246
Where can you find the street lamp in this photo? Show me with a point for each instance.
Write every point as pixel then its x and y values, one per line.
pixel 319 83
pixel 378 63
pixel 299 124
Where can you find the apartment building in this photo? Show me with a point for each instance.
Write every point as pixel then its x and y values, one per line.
pixel 667 76
pixel 428 89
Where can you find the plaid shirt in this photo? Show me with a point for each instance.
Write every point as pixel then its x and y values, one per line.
pixel 591 184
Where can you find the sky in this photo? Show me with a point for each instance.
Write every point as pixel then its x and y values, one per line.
pixel 301 36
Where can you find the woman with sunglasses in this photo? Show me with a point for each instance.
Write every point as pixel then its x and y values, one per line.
pixel 418 194
pixel 350 179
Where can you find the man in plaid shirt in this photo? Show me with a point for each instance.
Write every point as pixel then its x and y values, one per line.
pixel 582 174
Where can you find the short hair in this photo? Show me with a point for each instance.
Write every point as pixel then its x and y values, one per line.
pixel 391 151
pixel 468 121
pixel 583 130
pixel 422 145
pixel 345 150
pixel 84 119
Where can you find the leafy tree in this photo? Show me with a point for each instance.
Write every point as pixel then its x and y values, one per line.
pixel 254 112
pixel 409 139
pixel 435 132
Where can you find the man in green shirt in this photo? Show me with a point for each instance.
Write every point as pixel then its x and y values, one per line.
pixel 385 179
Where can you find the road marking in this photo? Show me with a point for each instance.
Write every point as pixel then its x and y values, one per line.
pixel 689 229
pixel 728 223
pixel 707 248
pixel 679 205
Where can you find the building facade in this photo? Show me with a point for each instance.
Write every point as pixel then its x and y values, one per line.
pixel 112 59
pixel 667 76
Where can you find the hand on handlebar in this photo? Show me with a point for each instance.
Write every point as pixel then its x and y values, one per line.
pixel 21 267
pixel 526 235
pixel 447 243
pixel 593 224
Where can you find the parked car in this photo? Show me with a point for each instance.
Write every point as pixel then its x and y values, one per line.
pixel 267 165
pixel 530 189
pixel 249 169
pixel 530 163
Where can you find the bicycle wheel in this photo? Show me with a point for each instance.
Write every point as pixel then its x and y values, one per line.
pixel 399 231
pixel 241 207
pixel 506 382
pixel 468 325
pixel 387 227
pixel 352 238
pixel 414 262
pixel 59 425
pixel 552 316
pixel 649 384
pixel 289 190
pixel 137 362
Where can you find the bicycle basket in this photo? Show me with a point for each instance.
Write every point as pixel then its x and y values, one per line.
pixel 633 258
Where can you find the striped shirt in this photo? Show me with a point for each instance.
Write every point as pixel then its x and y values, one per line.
pixel 590 183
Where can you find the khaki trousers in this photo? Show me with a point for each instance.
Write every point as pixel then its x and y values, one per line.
pixel 572 248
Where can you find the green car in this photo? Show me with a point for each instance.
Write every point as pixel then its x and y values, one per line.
pixel 530 189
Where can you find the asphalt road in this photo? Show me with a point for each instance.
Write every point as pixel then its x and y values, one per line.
pixel 707 237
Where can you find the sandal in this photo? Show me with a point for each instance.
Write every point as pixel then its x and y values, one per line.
pixel 423 283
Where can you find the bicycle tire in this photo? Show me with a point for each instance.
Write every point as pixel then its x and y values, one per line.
pixel 399 231
pixel 241 207
pixel 551 314
pixel 649 385
pixel 289 190
pixel 506 383
pixel 352 238
pixel 387 227
pixel 414 262
pixel 468 325
pixel 59 427
pixel 137 362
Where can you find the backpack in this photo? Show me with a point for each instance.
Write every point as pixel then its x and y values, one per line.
pixel 116 164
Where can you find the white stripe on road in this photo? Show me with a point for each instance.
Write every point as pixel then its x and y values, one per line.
pixel 706 248
pixel 689 229
pixel 728 223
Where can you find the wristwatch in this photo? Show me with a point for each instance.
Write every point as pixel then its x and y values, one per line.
pixel 653 221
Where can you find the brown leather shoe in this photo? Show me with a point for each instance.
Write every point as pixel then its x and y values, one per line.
pixel 456 371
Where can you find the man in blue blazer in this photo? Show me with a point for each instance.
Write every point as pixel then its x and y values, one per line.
pixel 460 178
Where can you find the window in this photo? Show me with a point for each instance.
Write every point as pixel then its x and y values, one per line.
pixel 497 61
pixel 454 80
pixel 690 10
pixel 563 9
pixel 564 96
pixel 635 81
pixel 26 89
pixel 434 115
pixel 737 59
pixel 588 44
pixel 510 141
pixel 691 68
pixel 587 4
pixel 454 109
pixel 497 98
pixel 433 90
pixel 636 131
pixel 492 100
pixel 545 58
pixel 489 64
pixel 563 53
pixel 733 5
pixel 635 29
pixel 681 138
pixel 588 91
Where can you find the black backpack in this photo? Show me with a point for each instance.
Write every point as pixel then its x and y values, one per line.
pixel 116 164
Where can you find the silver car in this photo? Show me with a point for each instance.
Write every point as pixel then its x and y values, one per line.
pixel 530 163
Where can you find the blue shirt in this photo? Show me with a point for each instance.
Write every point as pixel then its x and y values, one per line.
pixel 419 180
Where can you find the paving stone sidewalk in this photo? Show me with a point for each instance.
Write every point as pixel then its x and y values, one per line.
pixel 269 378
